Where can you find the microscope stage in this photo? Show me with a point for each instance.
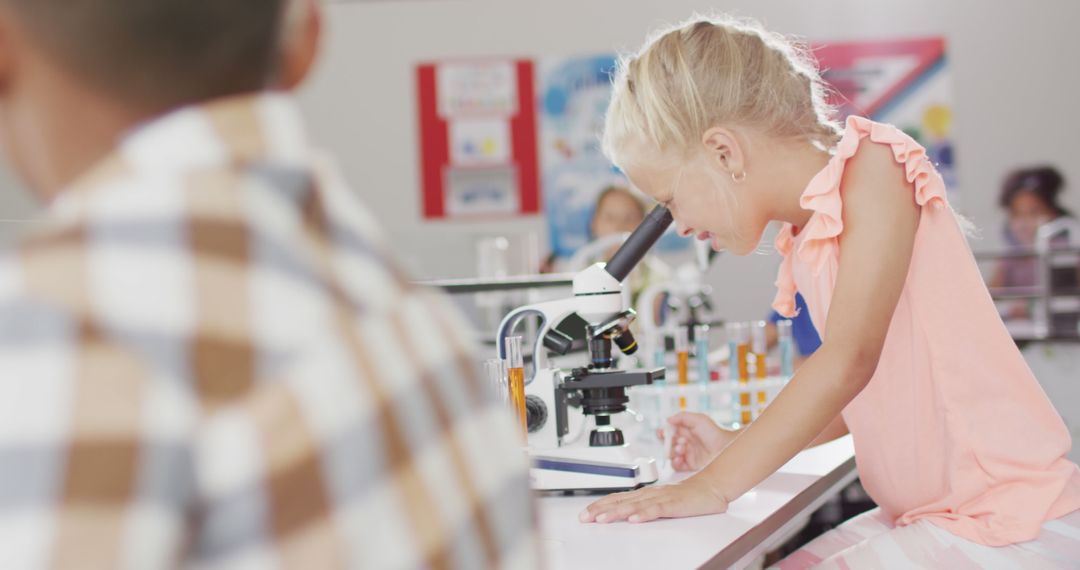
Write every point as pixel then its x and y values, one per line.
pixel 593 469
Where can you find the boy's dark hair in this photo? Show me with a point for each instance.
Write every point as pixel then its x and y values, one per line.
pixel 160 53
pixel 1043 181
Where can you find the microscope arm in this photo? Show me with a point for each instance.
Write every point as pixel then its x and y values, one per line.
pixel 551 313
pixel 597 290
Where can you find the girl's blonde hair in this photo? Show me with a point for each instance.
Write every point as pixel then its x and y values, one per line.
pixel 710 72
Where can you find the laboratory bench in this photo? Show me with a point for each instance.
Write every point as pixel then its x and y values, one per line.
pixel 759 521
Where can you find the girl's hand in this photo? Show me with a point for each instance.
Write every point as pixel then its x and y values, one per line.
pixel 690 498
pixel 697 440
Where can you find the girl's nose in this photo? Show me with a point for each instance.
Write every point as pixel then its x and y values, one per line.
pixel 683 230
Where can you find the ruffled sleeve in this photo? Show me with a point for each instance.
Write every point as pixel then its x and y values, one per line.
pixel 784 303
pixel 822 196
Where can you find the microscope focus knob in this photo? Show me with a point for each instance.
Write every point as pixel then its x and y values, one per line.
pixel 606 438
pixel 627 343
pixel 536 413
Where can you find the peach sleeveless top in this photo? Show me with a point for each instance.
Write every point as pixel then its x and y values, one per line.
pixel 953 427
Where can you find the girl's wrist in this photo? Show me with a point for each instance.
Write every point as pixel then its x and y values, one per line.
pixel 732 435
pixel 714 479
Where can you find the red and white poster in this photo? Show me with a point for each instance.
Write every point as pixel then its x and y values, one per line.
pixel 478 139
pixel 904 82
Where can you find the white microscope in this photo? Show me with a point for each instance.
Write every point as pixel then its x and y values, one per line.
pixel 571 397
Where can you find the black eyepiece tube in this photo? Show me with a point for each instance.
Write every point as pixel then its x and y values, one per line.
pixel 639 243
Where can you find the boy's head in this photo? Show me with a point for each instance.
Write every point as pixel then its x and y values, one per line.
pixel 101 66
pixel 156 53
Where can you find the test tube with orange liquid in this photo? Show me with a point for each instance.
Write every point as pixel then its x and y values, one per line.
pixel 739 352
pixel 682 354
pixel 515 363
pixel 759 347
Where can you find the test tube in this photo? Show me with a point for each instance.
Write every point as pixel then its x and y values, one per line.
pixel 682 352
pixel 759 347
pixel 495 373
pixel 739 352
pixel 515 363
pixel 731 330
pixel 701 350
pixel 786 348
pixel 659 341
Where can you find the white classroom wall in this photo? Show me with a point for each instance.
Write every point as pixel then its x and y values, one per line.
pixel 1014 75
pixel 1014 70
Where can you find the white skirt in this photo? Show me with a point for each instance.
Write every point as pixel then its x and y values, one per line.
pixel 870 541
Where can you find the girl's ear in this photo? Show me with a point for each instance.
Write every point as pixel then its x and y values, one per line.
pixel 722 146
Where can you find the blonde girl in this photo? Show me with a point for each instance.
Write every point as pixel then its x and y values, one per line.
pixel 726 125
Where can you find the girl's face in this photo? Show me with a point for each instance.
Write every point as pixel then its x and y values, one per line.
pixel 1026 213
pixel 617 213
pixel 705 202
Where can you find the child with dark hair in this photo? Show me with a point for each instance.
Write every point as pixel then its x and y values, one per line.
pixel 1030 197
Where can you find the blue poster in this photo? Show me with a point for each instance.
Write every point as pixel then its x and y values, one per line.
pixel 574 95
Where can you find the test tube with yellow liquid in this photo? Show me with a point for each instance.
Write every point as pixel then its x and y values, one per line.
pixel 515 363
pixel 682 354
pixel 759 347
pixel 739 354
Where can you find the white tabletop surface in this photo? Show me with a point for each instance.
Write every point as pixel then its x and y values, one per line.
pixel 750 527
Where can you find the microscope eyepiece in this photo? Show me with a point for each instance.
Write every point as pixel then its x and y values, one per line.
pixel 639 243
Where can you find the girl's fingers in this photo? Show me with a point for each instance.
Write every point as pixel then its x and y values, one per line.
pixel 611 501
pixel 649 511
pixel 616 498
pixel 682 419
pixel 615 514
pixel 623 511
pixel 688 420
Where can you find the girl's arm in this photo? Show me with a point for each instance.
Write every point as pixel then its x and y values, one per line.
pixel 835 430
pixel 880 219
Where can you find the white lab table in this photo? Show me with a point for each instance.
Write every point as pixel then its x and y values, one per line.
pixel 754 524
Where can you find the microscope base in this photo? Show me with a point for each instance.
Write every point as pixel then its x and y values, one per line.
pixel 592 469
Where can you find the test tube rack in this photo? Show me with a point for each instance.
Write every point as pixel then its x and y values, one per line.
pixel 720 400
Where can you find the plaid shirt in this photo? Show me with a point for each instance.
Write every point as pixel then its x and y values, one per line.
pixel 208 360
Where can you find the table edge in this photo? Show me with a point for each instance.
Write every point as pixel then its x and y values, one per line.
pixel 737 550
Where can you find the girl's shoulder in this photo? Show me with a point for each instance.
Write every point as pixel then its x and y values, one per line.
pixel 872 161
pixel 872 153
pixel 869 156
